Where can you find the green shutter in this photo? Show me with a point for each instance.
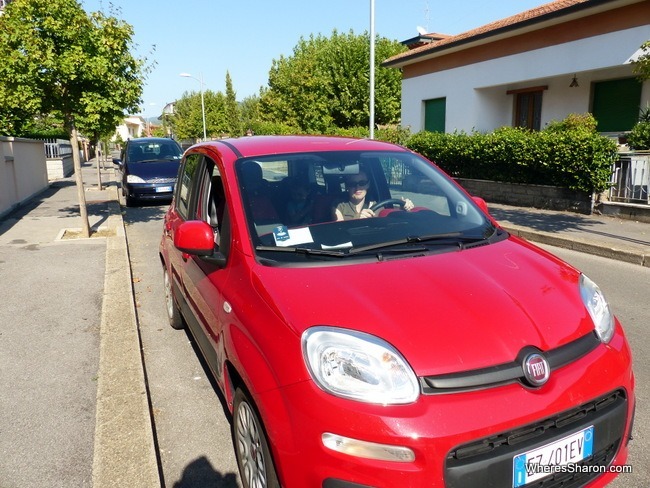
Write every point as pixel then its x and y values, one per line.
pixel 616 104
pixel 434 114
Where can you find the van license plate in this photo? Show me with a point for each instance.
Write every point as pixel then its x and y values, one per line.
pixel 544 461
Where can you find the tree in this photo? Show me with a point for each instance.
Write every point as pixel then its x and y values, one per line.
pixel 250 112
pixel 325 84
pixel 187 120
pixel 57 59
pixel 232 109
pixel 642 63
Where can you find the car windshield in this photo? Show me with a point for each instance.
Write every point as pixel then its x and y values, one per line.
pixel 152 151
pixel 335 205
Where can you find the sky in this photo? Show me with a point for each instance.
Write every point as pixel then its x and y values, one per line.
pixel 207 38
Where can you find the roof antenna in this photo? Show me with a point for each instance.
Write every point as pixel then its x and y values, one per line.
pixel 426 15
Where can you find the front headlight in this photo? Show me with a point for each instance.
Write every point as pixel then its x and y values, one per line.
pixel 359 366
pixel 134 179
pixel 598 309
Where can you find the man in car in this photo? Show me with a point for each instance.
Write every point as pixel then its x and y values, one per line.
pixel 357 206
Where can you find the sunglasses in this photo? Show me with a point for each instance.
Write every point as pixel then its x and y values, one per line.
pixel 356 183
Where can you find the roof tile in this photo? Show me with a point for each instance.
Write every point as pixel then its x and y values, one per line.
pixel 540 11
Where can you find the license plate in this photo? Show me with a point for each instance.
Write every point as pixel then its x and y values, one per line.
pixel 544 461
pixel 161 189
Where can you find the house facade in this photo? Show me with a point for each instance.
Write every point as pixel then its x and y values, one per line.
pixel 131 127
pixel 567 56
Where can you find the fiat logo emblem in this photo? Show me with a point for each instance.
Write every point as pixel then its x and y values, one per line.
pixel 536 369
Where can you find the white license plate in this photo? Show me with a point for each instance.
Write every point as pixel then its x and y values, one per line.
pixel 544 461
pixel 161 189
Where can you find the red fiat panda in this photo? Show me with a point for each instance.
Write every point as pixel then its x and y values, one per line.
pixel 370 325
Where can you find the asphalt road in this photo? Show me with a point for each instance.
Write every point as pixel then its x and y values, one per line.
pixel 626 287
pixel 193 432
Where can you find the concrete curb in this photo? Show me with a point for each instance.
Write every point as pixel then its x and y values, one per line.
pixel 124 451
pixel 581 245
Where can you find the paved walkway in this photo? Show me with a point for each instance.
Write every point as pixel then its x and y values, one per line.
pixel 78 414
pixel 624 240
pixel 54 290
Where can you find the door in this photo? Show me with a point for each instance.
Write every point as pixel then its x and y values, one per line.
pixel 202 280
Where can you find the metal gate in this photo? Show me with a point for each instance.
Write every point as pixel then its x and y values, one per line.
pixel 631 178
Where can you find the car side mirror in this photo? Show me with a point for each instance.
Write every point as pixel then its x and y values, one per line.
pixel 196 238
pixel 117 161
pixel 482 204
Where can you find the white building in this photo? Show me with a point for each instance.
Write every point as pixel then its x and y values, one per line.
pixel 567 56
pixel 131 127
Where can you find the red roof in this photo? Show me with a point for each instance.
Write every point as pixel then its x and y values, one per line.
pixel 534 14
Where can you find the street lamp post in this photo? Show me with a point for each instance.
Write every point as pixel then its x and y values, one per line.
pixel 187 75
pixel 372 69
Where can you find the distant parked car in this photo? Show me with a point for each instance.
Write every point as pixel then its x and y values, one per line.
pixel 370 325
pixel 149 168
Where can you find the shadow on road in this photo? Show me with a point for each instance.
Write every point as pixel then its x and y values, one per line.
pixel 200 473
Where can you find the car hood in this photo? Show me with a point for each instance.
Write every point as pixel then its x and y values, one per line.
pixel 159 169
pixel 445 313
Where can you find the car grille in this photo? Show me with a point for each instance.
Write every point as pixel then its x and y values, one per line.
pixel 489 462
pixel 508 372
pixel 161 180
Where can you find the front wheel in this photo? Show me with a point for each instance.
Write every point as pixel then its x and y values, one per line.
pixel 251 447
pixel 173 314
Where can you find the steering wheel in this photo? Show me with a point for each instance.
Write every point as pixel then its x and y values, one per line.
pixel 386 203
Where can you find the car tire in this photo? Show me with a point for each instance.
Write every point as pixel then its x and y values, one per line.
pixel 251 446
pixel 173 313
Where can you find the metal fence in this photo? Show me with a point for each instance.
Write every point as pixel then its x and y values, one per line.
pixel 631 178
pixel 57 148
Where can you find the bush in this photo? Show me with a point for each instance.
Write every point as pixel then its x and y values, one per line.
pixel 46 134
pixel 272 129
pixel 639 136
pixel 568 154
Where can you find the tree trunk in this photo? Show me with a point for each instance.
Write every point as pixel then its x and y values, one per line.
pixel 98 159
pixel 76 160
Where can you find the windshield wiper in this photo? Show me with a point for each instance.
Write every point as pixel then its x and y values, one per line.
pixel 447 238
pixel 303 250
pixel 454 238
pixel 158 160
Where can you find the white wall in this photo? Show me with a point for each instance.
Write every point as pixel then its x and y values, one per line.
pixel 476 94
pixel 23 171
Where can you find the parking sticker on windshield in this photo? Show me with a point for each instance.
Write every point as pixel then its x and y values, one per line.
pixel 291 237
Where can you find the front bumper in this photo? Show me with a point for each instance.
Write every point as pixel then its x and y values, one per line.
pixel 149 191
pixel 462 439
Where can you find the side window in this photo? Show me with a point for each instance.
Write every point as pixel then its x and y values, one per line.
pixel 211 205
pixel 184 184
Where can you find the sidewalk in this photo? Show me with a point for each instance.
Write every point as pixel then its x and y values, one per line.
pixel 623 240
pixel 70 348
pixel 70 353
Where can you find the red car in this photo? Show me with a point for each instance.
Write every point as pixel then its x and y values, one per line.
pixel 370 325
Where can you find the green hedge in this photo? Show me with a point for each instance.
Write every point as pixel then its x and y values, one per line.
pixel 563 155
